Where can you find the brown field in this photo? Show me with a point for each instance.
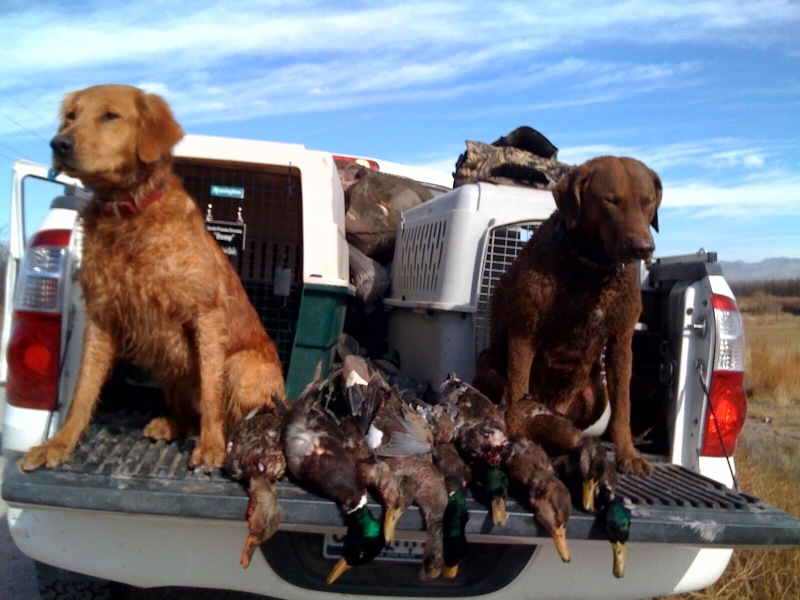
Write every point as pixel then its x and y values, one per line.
pixel 766 455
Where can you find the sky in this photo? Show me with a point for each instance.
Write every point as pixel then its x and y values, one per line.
pixel 705 92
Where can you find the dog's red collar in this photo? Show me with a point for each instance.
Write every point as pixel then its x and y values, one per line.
pixel 130 206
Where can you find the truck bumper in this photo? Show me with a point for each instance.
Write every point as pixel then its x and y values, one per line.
pixel 153 551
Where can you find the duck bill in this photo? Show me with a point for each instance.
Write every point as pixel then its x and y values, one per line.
pixel 340 567
pixel 390 520
pixel 619 559
pixel 250 545
pixel 499 516
pixel 449 572
pixel 560 538
pixel 589 490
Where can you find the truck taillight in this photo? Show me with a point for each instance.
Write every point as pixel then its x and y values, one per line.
pixel 34 349
pixel 728 403
pixel 364 162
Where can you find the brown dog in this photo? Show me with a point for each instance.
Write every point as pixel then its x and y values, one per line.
pixel 572 292
pixel 158 289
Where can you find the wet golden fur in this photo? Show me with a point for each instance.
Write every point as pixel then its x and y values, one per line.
pixel 159 291
pixel 573 291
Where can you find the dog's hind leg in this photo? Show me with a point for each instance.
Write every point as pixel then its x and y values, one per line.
pixel 520 359
pixel 183 420
pixel 99 352
pixel 253 378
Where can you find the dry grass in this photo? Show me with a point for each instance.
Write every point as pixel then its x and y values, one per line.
pixel 766 456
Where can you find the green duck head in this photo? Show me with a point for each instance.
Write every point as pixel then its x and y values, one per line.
pixel 617 523
pixel 456 516
pixel 363 541
pixel 496 484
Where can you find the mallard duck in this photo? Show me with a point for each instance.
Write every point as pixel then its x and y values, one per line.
pixel 457 480
pixel 615 518
pixel 554 432
pixel 586 469
pixel 529 466
pixel 255 454
pixel 395 457
pixel 478 425
pixel 492 482
pixel 582 461
pixel 419 482
pixel 317 458
pixel 391 426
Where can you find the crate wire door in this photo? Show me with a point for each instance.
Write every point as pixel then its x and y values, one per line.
pixel 503 245
pixel 272 209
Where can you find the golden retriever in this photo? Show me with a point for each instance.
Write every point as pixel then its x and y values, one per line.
pixel 574 292
pixel 158 290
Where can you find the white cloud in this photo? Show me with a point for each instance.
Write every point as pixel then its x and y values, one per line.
pixel 771 196
pixel 48 40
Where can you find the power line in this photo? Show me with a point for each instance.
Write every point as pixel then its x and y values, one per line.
pixel 15 153
pixel 25 108
pixel 21 126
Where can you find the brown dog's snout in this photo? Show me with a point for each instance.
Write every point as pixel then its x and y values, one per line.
pixel 640 248
pixel 62 145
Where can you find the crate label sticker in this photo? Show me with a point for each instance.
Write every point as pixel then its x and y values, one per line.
pixel 227 191
pixel 230 236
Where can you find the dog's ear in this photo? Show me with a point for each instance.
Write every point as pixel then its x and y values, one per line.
pixel 158 129
pixel 567 195
pixel 659 193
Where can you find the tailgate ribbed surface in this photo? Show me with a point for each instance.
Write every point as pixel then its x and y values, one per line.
pixel 115 468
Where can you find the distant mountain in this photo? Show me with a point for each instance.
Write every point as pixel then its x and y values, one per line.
pixel 771 269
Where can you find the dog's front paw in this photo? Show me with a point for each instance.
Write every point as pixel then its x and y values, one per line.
pixel 633 464
pixel 207 456
pixel 50 455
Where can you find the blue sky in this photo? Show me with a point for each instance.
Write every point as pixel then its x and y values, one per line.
pixel 707 93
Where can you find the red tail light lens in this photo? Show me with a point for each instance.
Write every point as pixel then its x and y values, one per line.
pixel 727 408
pixel 726 416
pixel 34 349
pixel 364 162
pixel 33 360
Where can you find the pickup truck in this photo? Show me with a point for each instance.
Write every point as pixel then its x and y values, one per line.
pixel 126 511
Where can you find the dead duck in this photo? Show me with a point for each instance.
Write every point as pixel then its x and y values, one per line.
pixel 391 426
pixel 399 482
pixel 419 482
pixel 492 483
pixel 585 470
pixel 457 479
pixel 478 425
pixel 479 432
pixel 318 460
pixel 532 420
pixel 582 461
pixel 394 458
pixel 615 519
pixel 255 454
pixel 529 466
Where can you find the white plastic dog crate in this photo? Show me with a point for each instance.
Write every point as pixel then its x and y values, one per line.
pixel 292 255
pixel 449 253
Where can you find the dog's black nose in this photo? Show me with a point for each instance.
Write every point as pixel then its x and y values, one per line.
pixel 641 249
pixel 62 145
